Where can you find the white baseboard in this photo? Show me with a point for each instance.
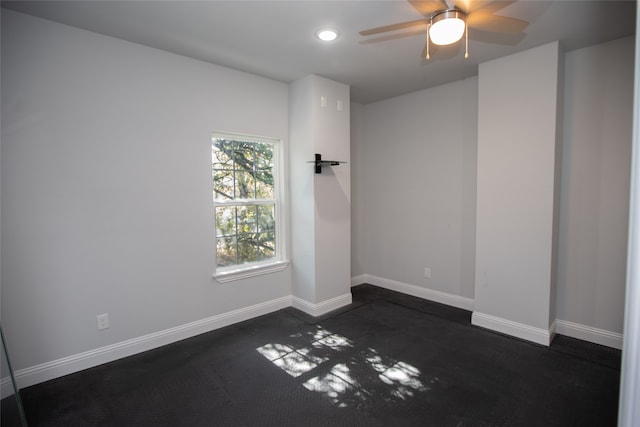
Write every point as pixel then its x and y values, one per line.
pixel 322 307
pixel 78 362
pixel 563 327
pixel 588 333
pixel 515 329
pixel 417 291
pixel 358 280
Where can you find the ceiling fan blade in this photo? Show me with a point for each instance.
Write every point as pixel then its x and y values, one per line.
pixel 394 27
pixel 429 7
pixel 395 36
pixel 490 6
pixel 463 5
pixel 485 21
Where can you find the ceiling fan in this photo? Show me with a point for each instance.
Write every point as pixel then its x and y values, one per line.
pixel 448 20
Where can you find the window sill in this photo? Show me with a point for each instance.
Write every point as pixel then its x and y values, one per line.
pixel 247 272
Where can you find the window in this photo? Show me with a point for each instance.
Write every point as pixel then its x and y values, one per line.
pixel 246 202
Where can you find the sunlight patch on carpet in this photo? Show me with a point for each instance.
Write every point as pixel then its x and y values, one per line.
pixel 319 359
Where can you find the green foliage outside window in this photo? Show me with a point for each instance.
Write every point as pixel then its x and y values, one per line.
pixel 244 198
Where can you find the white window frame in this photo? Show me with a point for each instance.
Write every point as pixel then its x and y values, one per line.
pixel 279 262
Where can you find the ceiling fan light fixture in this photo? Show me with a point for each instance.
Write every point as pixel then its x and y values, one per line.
pixel 447 27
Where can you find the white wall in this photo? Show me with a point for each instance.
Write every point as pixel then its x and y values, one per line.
pixel 595 184
pixel 517 145
pixel 332 191
pixel 302 190
pixel 106 187
pixel 402 154
pixel 321 222
pixel 416 187
pixel 357 183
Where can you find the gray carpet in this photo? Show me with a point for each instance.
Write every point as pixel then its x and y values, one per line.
pixel 388 359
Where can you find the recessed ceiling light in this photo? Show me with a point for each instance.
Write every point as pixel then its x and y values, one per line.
pixel 327 34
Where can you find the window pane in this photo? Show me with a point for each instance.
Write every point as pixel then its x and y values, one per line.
pixel 247 219
pixel 243 156
pixel 264 184
pixel 247 248
pixel 248 152
pixel 266 218
pixel 223 185
pixel 221 151
pixel 226 251
pixel 266 246
pixel 263 156
pixel 245 185
pixel 225 221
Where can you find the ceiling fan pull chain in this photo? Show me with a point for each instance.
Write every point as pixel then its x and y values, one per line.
pixel 466 40
pixel 428 28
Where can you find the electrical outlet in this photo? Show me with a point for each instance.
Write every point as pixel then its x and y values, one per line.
pixel 103 321
pixel 427 272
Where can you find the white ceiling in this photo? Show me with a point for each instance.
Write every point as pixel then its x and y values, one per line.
pixel 276 39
